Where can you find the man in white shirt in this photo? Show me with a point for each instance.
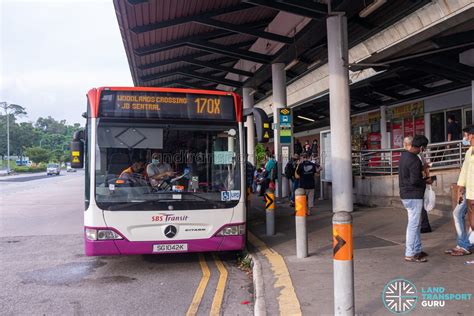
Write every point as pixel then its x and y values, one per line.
pixel 158 170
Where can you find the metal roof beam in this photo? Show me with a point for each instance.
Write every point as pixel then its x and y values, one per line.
pixel 244 30
pixel 189 19
pixel 223 81
pixel 303 8
pixel 224 50
pixel 213 65
pixel 207 35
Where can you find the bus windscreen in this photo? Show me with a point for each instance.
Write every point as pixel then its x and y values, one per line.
pixel 167 105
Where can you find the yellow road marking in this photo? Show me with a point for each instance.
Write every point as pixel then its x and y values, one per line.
pixel 219 294
pixel 193 308
pixel 287 300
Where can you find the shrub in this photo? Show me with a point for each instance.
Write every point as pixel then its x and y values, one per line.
pixel 38 168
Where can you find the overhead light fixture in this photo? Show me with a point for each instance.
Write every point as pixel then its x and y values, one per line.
pixel 292 64
pixel 371 8
pixel 306 118
pixel 252 92
pixel 315 63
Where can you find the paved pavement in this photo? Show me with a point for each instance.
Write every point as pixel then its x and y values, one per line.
pixel 44 271
pixel 306 285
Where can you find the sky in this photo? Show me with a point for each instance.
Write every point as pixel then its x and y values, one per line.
pixel 53 51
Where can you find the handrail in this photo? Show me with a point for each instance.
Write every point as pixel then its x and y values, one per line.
pixel 444 155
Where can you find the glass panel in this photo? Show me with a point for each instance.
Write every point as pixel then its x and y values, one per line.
pixel 180 167
pixel 437 128
pixel 468 117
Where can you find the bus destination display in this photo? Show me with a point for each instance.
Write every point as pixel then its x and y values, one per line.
pixel 138 104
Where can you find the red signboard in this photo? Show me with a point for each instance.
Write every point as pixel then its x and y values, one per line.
pixel 420 126
pixel 409 127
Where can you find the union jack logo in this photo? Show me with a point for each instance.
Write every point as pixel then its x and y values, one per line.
pixel 400 296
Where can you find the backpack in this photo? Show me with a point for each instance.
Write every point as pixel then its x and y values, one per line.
pixel 289 171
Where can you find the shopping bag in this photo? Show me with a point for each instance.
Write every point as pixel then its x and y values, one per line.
pixel 430 198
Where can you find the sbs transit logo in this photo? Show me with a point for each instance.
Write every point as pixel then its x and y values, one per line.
pixel 400 296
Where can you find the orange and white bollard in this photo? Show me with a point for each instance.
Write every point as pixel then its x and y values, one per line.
pixel 270 211
pixel 301 207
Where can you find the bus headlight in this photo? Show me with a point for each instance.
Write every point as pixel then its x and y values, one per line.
pixel 101 234
pixel 232 230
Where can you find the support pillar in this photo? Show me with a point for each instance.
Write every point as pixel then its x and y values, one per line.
pixel 428 125
pixel 279 101
pixel 383 127
pixel 248 104
pixel 341 157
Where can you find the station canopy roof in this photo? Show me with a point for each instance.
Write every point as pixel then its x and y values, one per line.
pixel 230 44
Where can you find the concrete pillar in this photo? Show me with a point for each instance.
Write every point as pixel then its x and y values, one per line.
pixel 383 127
pixel 339 105
pixel 428 125
pixel 279 101
pixel 248 104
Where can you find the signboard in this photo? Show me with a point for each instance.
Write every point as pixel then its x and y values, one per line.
pixel 285 126
pixel 166 105
pixel 406 111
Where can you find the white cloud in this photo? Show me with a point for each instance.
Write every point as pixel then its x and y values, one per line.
pixel 53 52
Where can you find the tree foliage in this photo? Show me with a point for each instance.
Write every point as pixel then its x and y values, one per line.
pixel 38 154
pixel 46 133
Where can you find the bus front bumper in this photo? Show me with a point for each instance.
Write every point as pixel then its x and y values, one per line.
pixel 126 247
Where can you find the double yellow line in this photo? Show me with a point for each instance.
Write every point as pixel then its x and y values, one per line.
pixel 220 288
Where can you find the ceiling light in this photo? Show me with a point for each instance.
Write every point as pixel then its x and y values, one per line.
pixel 305 118
pixel 291 64
pixel 371 8
pixel 317 62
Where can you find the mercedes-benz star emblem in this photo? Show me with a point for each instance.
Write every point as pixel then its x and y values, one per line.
pixel 170 231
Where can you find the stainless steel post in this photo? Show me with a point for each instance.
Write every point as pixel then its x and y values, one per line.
pixel 279 101
pixel 339 101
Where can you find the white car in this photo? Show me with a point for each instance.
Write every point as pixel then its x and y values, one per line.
pixel 69 168
pixel 53 168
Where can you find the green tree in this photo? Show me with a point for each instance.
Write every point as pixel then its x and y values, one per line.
pixel 38 154
pixel 259 154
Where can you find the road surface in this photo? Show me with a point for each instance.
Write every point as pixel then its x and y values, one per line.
pixel 44 270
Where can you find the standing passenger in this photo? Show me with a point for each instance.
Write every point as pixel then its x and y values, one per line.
pixel 306 170
pixel 412 191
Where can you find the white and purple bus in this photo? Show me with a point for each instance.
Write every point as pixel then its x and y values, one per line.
pixel 194 199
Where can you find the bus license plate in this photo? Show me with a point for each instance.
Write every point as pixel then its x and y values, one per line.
pixel 170 247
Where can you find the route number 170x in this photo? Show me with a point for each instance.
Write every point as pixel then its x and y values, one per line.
pixel 209 106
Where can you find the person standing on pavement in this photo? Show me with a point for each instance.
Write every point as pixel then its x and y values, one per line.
pixel 305 171
pixel 314 148
pixel 412 191
pixel 270 173
pixel 407 143
pixel 453 129
pixel 290 169
pixel 465 193
pixel 298 147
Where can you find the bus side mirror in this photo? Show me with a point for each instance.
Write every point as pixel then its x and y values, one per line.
pixel 77 150
pixel 262 124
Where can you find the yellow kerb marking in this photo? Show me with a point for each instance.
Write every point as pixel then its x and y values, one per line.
pixel 219 294
pixel 287 300
pixel 193 308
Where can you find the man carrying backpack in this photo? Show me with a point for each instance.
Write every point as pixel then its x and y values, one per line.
pixel 305 171
pixel 290 169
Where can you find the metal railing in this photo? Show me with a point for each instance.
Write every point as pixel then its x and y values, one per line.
pixel 446 155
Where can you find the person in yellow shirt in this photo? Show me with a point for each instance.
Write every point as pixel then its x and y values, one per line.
pixel 465 198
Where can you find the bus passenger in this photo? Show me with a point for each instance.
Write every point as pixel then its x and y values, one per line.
pixel 158 170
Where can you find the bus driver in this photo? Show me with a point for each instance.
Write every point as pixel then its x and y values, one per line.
pixel 158 170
